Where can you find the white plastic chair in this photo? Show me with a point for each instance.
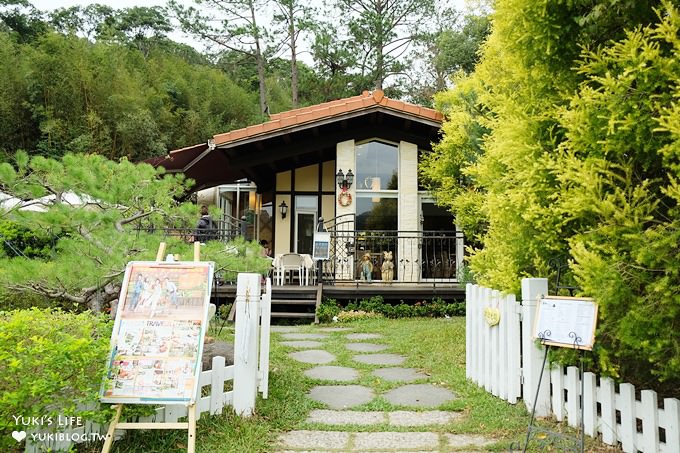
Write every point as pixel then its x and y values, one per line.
pixel 290 262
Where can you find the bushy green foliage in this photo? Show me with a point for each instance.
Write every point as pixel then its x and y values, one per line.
pixel 17 240
pixel 63 94
pixel 435 308
pixel 328 309
pixel 51 363
pixel 578 158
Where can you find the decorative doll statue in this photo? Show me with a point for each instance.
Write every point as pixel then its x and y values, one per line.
pixel 387 267
pixel 366 267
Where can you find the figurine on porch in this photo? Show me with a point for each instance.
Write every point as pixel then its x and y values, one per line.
pixel 366 267
pixel 387 267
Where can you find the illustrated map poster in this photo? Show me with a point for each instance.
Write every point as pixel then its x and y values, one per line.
pixel 560 321
pixel 157 338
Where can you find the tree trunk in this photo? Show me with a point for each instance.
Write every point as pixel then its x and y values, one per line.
pixel 259 59
pixel 293 58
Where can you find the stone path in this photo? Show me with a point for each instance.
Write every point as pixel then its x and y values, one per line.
pixel 342 427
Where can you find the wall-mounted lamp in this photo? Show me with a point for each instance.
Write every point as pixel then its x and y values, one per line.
pixel 283 209
pixel 344 181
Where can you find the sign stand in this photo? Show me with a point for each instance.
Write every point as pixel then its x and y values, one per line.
pixel 189 425
pixel 562 322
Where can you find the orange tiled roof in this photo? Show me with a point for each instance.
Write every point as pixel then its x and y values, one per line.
pixel 328 110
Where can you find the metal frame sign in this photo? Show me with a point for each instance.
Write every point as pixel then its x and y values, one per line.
pixel 157 338
pixel 322 245
pixel 567 322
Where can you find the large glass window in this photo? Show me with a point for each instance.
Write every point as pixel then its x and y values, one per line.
pixel 377 166
pixel 376 213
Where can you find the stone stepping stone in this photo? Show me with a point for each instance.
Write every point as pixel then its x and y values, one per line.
pixel 467 440
pixel 334 329
pixel 399 374
pixel 315 440
pixel 313 356
pixel 395 440
pixel 411 418
pixel 304 336
pixel 285 328
pixel 328 417
pixel 397 418
pixel 419 395
pixel 380 359
pixel 302 344
pixel 333 373
pixel 362 336
pixel 341 396
pixel 366 347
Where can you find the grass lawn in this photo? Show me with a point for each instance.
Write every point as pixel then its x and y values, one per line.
pixel 435 346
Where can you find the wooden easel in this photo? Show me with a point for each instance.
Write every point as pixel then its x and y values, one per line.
pixel 189 425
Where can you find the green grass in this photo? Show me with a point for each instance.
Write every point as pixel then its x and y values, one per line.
pixel 434 346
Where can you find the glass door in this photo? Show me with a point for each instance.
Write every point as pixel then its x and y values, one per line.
pixel 305 222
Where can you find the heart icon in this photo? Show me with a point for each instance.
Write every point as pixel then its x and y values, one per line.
pixel 19 435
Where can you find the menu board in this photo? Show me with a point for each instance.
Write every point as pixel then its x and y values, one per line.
pixel 566 322
pixel 322 245
pixel 157 338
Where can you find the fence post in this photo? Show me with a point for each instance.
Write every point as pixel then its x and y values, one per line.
pixel 532 355
pixel 246 343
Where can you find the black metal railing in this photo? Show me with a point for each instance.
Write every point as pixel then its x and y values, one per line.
pixel 416 256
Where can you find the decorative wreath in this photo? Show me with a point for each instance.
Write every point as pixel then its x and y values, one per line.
pixel 345 199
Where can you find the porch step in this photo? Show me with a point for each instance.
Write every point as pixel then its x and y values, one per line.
pixel 286 314
pixel 295 301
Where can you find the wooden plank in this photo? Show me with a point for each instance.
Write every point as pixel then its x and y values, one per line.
pixel 468 331
pixel 573 392
pixel 670 421
pixel 589 402
pixel 112 428
pixel 625 404
pixel 161 251
pixel 476 340
pixel 495 347
pixel 608 405
pixel 245 343
pixel 650 422
pixel 197 251
pixel 557 381
pixel 514 351
pixel 216 385
pixel 191 447
pixel 265 334
pixel 504 371
pixel 486 344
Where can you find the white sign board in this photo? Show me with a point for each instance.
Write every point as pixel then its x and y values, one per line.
pixel 322 245
pixel 157 339
pixel 566 322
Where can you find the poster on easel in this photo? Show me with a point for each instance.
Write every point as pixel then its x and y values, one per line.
pixel 157 339
pixel 567 322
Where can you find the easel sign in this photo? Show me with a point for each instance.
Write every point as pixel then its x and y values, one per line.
pixel 157 338
pixel 322 245
pixel 567 322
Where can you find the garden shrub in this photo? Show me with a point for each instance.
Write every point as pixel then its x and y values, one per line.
pixel 435 308
pixel 328 309
pixel 51 362
pixel 356 315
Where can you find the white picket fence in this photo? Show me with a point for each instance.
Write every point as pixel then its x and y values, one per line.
pixel 638 425
pixel 249 373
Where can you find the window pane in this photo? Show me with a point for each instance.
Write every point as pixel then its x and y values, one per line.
pixel 305 202
pixel 376 213
pixel 377 166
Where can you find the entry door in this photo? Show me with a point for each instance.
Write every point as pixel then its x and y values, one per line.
pixel 304 231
